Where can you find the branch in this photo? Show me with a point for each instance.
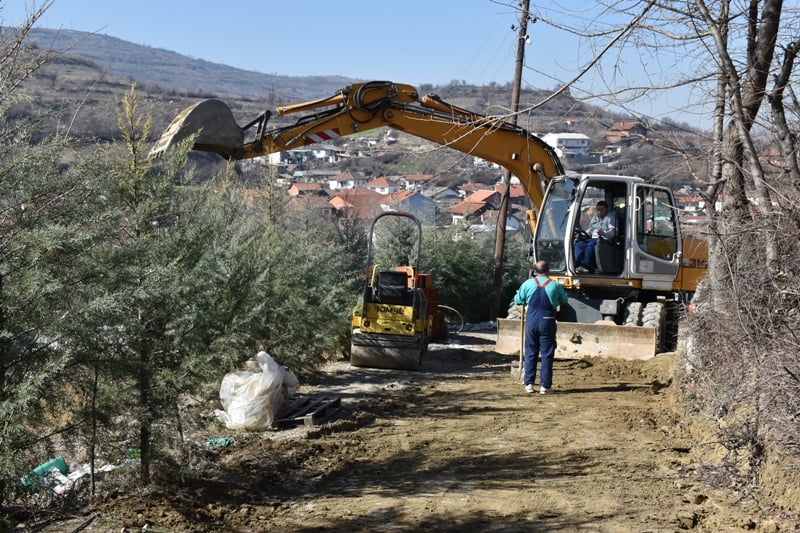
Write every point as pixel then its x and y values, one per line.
pixel 632 24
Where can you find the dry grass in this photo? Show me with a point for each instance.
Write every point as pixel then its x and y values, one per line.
pixel 744 361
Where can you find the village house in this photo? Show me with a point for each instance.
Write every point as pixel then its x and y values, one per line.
pixel 327 153
pixel 516 194
pixel 689 202
pixel 360 203
pixel 474 206
pixel 317 204
pixel 415 182
pixel 489 221
pixel 254 197
pixel 625 133
pixel 412 202
pixel 382 186
pixel 317 152
pixel 313 175
pixel 284 157
pixel 445 197
pixel 346 180
pixel 466 189
pixel 568 144
pixel 305 189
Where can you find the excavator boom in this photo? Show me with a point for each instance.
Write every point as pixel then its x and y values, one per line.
pixel 362 107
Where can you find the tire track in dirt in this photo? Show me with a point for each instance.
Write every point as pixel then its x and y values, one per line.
pixel 459 446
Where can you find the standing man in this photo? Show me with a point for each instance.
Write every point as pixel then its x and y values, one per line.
pixel 602 226
pixel 542 295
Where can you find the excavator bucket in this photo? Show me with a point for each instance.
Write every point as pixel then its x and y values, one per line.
pixel 575 340
pixel 212 121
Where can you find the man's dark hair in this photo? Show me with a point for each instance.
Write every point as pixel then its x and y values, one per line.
pixel 603 203
pixel 542 267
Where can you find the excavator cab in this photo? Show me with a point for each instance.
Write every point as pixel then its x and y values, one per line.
pixel 628 304
pixel 646 241
pixel 632 272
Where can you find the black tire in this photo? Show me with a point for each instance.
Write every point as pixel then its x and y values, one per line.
pixel 655 316
pixel 674 316
pixel 633 314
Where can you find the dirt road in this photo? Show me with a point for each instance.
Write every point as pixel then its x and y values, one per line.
pixel 458 446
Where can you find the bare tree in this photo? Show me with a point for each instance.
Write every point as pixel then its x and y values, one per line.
pixel 736 62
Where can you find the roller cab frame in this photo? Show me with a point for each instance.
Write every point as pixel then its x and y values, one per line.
pixel 391 325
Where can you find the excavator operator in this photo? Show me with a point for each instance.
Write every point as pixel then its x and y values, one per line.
pixel 602 226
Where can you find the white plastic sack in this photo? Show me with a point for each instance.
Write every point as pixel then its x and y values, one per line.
pixel 252 399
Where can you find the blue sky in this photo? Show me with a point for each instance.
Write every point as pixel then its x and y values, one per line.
pixel 413 41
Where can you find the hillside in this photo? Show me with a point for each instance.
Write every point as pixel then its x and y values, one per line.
pixel 168 74
pixel 85 80
pixel 171 70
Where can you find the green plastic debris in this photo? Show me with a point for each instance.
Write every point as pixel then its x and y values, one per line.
pixel 219 442
pixel 36 477
pixel 133 453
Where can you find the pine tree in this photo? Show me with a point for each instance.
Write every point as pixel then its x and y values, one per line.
pixel 462 267
pixel 312 266
pixel 163 289
pixel 42 231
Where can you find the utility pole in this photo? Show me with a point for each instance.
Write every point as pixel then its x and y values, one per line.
pixel 502 215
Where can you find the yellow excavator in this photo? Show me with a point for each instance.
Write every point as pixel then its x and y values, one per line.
pixel 626 307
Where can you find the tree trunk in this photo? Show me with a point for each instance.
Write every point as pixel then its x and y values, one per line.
pixel 93 432
pixel 747 92
pixel 145 421
pixel 786 138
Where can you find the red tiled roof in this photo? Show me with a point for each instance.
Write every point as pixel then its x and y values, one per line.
pixel 418 177
pixel 625 126
pixel 347 176
pixel 251 195
pixel 306 186
pixel 398 196
pixel 359 202
pixel 516 191
pixel 379 183
pixel 467 208
pixel 339 203
pixel 481 196
pixel 472 187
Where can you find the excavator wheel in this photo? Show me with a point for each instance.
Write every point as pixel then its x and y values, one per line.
pixel 633 314
pixel 655 316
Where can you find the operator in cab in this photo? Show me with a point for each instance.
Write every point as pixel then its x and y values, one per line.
pixel 602 226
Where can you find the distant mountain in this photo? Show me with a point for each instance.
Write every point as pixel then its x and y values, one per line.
pixel 171 74
pixel 171 70
pixel 156 70
pixel 80 89
pixel 102 66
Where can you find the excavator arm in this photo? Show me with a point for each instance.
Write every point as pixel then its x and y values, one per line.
pixel 366 106
pixel 362 107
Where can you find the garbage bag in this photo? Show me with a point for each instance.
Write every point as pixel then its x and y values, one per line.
pixel 251 400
